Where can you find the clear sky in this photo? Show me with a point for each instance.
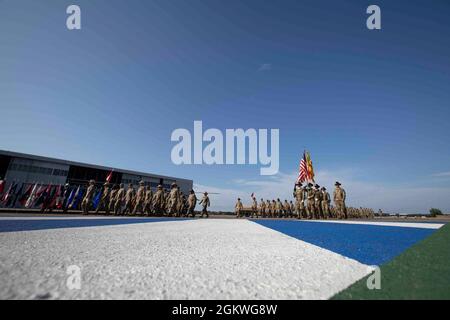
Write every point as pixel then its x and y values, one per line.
pixel 371 106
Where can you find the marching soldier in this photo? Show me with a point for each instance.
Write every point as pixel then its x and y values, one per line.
pixel 268 208
pixel 140 198
pixel 119 200
pixel 339 200
pixel 158 200
pixel 66 194
pixel 238 207
pixel 254 208
pixel 278 208
pixel 318 202
pixel 129 197
pixel 112 199
pixel 85 204
pixel 148 200
pixel 181 202
pixel 272 208
pixel 173 199
pixel 292 208
pixel 299 195
pixel 166 201
pixel 262 208
pixel 205 203
pixel 287 208
pixel 325 203
pixel 192 202
pixel 104 200
pixel 310 205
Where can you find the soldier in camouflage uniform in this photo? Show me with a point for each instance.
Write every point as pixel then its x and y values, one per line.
pixel 254 208
pixel 278 208
pixel 173 199
pixel 262 208
pixel 129 197
pixel 287 209
pixel 158 200
pixel 148 200
pixel 192 202
pixel 120 196
pixel 310 205
pixel 140 198
pixel 166 202
pixel 238 207
pixel 205 203
pixel 325 203
pixel 292 208
pixel 86 203
pixel 299 195
pixel 181 203
pixel 339 200
pixel 268 208
pixel 104 200
pixel 112 199
pixel 318 202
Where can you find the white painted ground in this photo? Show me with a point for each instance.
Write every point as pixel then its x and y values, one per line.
pixel 196 259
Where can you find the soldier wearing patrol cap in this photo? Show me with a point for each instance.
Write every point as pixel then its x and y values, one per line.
pixel 254 207
pixel 104 200
pixel 120 196
pixel 205 203
pixel 299 195
pixel 325 203
pixel 140 198
pixel 148 200
pixel 181 202
pixel 85 204
pixel 287 209
pixel 278 208
pixel 129 197
pixel 318 201
pixel 310 205
pixel 292 208
pixel 192 202
pixel 112 199
pixel 173 199
pixel 158 200
pixel 262 208
pixel 166 202
pixel 339 201
pixel 238 207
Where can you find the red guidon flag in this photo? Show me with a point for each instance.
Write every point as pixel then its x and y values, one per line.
pixel 109 177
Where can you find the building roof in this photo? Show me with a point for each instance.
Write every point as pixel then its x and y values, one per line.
pixel 74 163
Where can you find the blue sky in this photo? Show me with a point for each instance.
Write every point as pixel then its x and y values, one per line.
pixel 371 106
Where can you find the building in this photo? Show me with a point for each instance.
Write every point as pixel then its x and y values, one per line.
pixel 26 168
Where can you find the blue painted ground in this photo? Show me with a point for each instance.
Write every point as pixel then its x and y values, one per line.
pixel 368 244
pixel 32 224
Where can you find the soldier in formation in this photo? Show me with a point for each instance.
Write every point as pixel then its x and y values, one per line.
pixel 86 202
pixel 192 202
pixel 238 207
pixel 205 204
pixel 311 202
pixel 104 200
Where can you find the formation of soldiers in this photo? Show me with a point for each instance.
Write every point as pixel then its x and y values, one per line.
pixel 117 200
pixel 311 202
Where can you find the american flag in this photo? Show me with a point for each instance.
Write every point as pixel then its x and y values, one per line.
pixel 303 170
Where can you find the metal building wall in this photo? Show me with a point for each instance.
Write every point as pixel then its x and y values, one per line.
pixel 22 170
